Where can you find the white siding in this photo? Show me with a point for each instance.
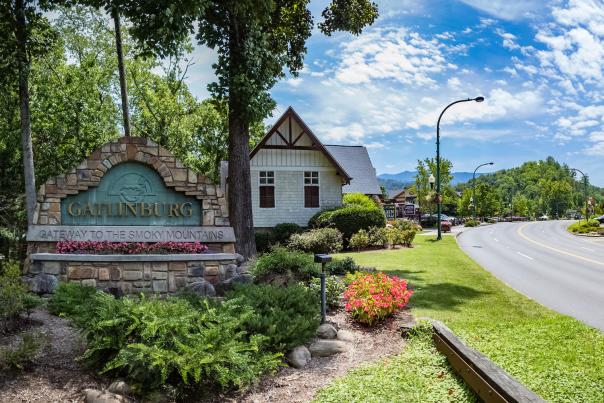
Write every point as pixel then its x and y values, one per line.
pixel 289 195
pixel 290 158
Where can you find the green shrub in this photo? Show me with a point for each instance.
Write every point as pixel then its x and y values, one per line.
pixel 341 267
pixel 73 300
pixel 582 227
pixel 472 223
pixel 154 343
pixel 264 240
pixel 377 236
pixel 287 316
pixel 396 236
pixel 334 288
pixel 407 225
pixel 359 199
pixel 282 232
pixel 31 302
pixel 321 219
pixel 359 241
pixel 350 219
pixel 23 355
pixel 319 240
pixel 280 263
pixel 12 294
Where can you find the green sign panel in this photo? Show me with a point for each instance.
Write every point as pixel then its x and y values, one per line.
pixel 130 194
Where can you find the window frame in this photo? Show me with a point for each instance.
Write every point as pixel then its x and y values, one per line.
pixel 317 185
pixel 269 181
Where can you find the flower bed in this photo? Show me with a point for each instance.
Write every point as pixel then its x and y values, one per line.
pixel 373 297
pixel 129 248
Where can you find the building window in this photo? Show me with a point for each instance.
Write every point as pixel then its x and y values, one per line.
pixel 311 189
pixel 267 189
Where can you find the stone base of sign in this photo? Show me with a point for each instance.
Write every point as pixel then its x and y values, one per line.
pixel 133 274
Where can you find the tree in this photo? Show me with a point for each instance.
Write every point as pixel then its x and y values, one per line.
pixel 256 40
pixel 426 196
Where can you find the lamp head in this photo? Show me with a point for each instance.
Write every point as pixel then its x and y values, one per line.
pixel 431 179
pixel 491 163
pixel 479 99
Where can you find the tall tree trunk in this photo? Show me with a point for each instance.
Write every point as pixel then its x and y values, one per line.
pixel 122 73
pixel 26 144
pixel 239 182
pixel 239 177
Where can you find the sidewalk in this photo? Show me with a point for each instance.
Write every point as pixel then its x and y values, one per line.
pixel 458 229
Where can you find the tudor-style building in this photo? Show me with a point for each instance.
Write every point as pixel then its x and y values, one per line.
pixel 294 175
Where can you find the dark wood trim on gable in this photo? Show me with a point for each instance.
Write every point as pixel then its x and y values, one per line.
pixel 291 144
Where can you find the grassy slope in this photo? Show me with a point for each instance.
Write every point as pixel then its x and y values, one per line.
pixel 556 356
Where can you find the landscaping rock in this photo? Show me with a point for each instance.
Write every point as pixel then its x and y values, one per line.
pixel 119 387
pixel 202 288
pixel 299 357
pixel 240 259
pixel 100 396
pixel 407 327
pixel 231 271
pixel 325 348
pixel 327 331
pixel 345 335
pixel 44 283
pixel 243 268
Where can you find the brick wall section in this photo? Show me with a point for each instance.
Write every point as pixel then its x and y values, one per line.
pixel 89 173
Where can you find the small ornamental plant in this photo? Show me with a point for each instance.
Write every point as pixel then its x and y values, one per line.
pixel 373 297
pixel 129 248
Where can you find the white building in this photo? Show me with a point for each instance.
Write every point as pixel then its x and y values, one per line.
pixel 294 175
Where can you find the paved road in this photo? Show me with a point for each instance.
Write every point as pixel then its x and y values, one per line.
pixel 546 263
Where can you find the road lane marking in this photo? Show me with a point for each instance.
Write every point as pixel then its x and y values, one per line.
pixel 521 234
pixel 589 249
pixel 523 255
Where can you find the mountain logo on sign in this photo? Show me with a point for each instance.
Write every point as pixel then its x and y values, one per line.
pixel 131 188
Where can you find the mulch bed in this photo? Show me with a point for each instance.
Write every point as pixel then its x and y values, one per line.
pixel 56 376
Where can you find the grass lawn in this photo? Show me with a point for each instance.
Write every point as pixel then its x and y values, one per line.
pixel 558 357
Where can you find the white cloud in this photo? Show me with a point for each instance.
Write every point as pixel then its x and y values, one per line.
pixel 393 54
pixel 374 145
pixel 505 9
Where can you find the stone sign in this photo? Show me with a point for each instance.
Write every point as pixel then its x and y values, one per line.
pixel 132 190
pixel 55 233
pixel 130 194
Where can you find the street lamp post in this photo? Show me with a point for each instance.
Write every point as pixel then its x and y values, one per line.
pixel 584 190
pixel 438 195
pixel 474 185
pixel 431 181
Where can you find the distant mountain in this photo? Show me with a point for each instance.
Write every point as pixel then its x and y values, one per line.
pixel 406 178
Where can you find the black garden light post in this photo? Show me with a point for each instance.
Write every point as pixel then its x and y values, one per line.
pixel 438 195
pixel 584 191
pixel 474 201
pixel 323 259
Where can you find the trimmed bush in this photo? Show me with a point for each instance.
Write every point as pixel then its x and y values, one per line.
pixel 359 199
pixel 285 266
pixel 359 241
pixel 396 236
pixel 334 288
pixel 582 227
pixel 373 297
pixel 282 232
pixel 472 223
pixel 341 267
pixel 349 219
pixel 377 236
pixel 406 225
pixel 286 316
pixel 319 240
pixel 12 294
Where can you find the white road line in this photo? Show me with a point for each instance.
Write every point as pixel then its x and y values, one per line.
pixel 583 247
pixel 523 255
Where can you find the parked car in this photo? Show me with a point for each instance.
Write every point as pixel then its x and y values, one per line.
pixel 445 226
pixel 544 217
pixel 600 219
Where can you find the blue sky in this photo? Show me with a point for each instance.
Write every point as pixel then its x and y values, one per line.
pixel 539 64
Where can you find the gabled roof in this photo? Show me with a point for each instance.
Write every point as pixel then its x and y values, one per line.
pixel 290 141
pixel 396 193
pixel 356 161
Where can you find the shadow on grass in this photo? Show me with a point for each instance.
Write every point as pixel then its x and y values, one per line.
pixel 443 296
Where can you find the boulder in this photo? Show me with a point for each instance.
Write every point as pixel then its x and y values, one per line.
pixel 325 348
pixel 100 396
pixel 327 331
pixel 240 259
pixel 202 288
pixel 231 271
pixel 43 283
pixel 299 357
pixel 245 278
pixel 345 335
pixel 407 327
pixel 243 268
pixel 119 387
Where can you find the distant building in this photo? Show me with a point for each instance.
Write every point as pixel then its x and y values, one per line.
pixel 404 202
pixel 402 196
pixel 294 175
